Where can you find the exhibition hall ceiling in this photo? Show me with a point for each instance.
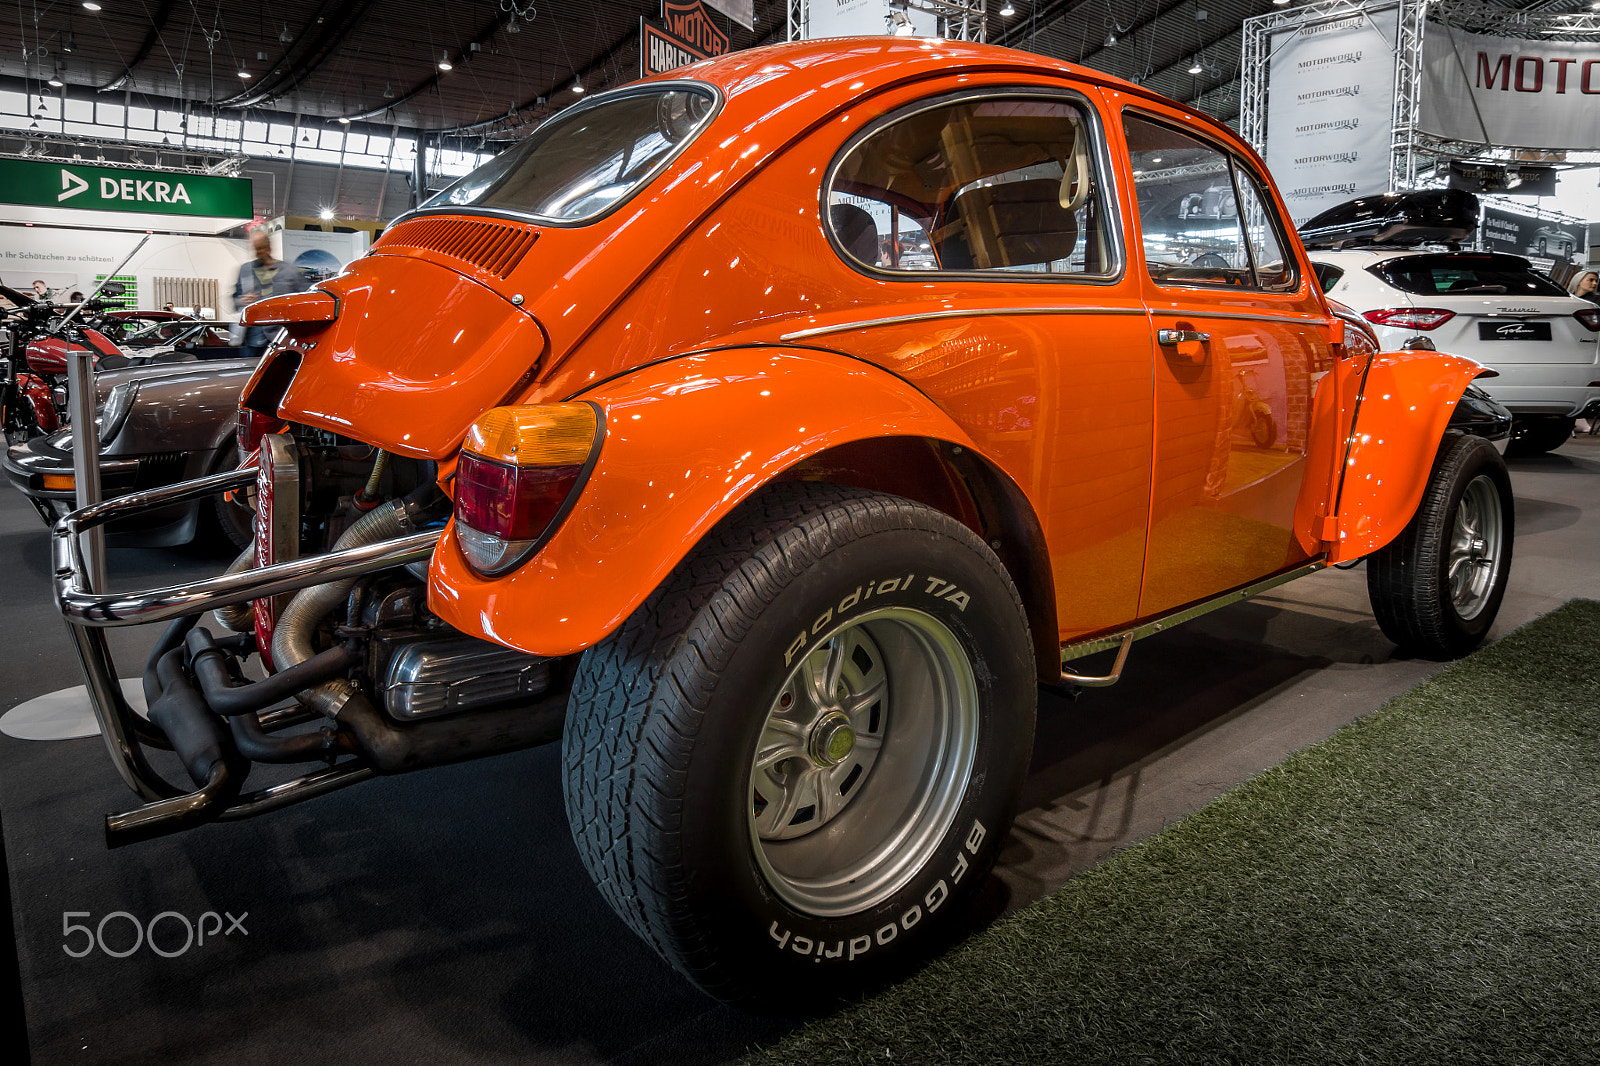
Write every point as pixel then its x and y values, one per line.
pixel 380 60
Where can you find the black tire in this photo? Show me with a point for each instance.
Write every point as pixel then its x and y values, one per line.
pixel 222 524
pixel 1535 436
pixel 662 788
pixel 1436 588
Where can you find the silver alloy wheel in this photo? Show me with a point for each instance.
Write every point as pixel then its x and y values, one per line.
pixel 1477 537
pixel 862 761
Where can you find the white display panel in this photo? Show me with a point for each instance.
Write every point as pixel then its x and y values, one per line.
pixel 1330 110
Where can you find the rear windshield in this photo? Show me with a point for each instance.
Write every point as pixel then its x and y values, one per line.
pixel 581 164
pixel 1467 275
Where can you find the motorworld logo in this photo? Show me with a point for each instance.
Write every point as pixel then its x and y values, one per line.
pixel 1325 94
pixel 1332 125
pixel 1331 157
pixel 1351 23
pixel 1338 59
pixel 1307 192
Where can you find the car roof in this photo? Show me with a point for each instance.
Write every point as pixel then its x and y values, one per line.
pixel 834 72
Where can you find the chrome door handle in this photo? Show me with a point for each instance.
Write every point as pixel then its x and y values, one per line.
pixel 1170 337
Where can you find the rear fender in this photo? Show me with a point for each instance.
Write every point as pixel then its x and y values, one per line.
pixel 685 441
pixel 1405 407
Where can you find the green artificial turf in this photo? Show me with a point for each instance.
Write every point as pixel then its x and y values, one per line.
pixel 1422 887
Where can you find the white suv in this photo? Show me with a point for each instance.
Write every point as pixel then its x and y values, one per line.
pixel 1490 307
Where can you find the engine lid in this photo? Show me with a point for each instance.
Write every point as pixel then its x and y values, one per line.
pixel 417 352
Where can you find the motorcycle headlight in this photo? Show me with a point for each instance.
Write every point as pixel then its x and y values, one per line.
pixel 114 412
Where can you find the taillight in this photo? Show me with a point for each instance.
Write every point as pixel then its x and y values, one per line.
pixel 1590 317
pixel 1423 318
pixel 519 472
pixel 251 427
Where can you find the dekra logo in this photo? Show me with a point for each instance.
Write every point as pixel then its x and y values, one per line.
pixel 159 192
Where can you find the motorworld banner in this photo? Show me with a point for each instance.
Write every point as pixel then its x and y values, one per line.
pixel 1509 92
pixel 1330 106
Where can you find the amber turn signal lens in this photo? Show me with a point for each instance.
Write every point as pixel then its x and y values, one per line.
pixel 554 434
pixel 57 482
pixel 519 471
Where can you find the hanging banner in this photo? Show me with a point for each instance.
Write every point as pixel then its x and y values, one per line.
pixel 1508 92
pixel 1330 110
pixel 1539 238
pixel 741 11
pixel 79 186
pixel 863 18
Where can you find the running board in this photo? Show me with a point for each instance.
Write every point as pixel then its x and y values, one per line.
pixel 1124 640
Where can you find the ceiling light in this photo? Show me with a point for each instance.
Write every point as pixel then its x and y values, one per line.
pixel 55 79
pixel 1195 67
pixel 305 137
pixel 326 214
pixel 388 91
pixel 245 74
pixel 1280 3
pixel 261 57
pixel 577 86
pixel 1008 10
pixel 285 37
pixel 88 5
pixel 68 44
pixel 1111 40
pixel 444 62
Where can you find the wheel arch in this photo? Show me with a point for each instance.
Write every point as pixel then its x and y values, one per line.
pixel 688 440
pixel 1407 403
pixel 970 488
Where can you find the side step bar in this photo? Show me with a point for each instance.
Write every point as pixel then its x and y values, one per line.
pixel 1123 639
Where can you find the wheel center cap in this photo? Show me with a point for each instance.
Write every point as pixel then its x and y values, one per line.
pixel 832 740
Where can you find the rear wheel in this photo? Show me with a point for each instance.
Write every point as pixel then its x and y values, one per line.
pixel 1436 589
pixel 222 522
pixel 1535 436
pixel 794 764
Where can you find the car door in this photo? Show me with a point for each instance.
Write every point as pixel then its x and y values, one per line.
pixel 1241 339
pixel 988 220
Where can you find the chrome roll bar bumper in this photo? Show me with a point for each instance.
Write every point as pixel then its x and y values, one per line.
pixel 89 611
pixel 85 607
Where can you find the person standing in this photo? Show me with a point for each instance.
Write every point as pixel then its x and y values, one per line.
pixel 263 276
pixel 41 291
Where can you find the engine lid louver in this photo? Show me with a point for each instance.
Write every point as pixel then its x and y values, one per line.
pixel 493 247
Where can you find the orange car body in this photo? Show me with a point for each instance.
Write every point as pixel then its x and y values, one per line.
pixel 728 344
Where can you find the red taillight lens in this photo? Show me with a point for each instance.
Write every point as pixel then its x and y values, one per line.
pixel 512 503
pixel 1423 318
pixel 251 427
pixel 519 468
pixel 1590 317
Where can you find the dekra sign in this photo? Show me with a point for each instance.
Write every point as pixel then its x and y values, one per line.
pixel 159 192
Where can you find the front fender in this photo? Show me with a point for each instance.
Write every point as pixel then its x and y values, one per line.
pixel 686 440
pixel 1405 407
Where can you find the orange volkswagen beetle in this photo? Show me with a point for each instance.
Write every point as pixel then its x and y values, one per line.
pixel 766 434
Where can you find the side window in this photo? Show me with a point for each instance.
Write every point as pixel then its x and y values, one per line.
pixel 1205 221
pixel 1274 270
pixel 1005 184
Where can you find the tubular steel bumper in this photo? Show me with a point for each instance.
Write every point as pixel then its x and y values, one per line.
pixel 89 611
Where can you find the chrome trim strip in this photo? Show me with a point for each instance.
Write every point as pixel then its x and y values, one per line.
pixel 1184 614
pixel 1244 317
pixel 893 320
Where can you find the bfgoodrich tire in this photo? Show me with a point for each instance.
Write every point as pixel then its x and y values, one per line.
pixel 1436 589
pixel 790 769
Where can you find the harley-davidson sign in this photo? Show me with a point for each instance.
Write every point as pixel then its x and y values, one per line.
pixel 690 34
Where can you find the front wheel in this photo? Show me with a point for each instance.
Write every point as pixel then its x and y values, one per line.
pixel 794 764
pixel 1436 588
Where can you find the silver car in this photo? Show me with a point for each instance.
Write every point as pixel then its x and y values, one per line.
pixel 1487 306
pixel 159 424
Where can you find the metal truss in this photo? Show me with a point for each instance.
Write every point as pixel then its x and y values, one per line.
pixel 1475 16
